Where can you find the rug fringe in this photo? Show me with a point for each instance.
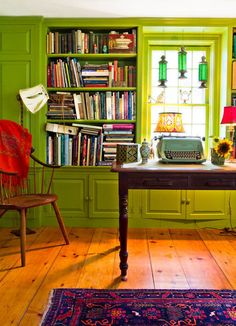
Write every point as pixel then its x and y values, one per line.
pixel 48 306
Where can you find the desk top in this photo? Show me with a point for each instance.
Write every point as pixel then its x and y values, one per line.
pixel 154 166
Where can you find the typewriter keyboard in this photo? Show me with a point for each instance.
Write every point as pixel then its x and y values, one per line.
pixel 183 155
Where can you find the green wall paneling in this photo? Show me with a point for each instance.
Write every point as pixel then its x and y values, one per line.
pixel 20 67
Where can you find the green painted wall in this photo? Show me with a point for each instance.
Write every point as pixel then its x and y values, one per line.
pixel 89 196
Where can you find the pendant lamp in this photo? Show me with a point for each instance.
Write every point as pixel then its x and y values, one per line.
pixel 182 63
pixel 203 72
pixel 162 71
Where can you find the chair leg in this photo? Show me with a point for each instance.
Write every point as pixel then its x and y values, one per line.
pixel 22 235
pixel 2 212
pixel 60 222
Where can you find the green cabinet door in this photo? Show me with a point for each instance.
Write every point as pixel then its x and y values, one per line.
pixel 163 204
pixel 103 196
pixel 207 204
pixel 232 209
pixel 104 199
pixel 72 190
pixel 205 207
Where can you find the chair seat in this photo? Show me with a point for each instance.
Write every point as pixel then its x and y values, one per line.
pixel 29 201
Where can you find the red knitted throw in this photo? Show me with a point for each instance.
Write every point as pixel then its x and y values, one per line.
pixel 15 147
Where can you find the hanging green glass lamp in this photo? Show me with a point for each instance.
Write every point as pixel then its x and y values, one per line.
pixel 162 71
pixel 182 62
pixel 203 72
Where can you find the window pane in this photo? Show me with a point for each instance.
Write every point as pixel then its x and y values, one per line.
pixel 172 58
pixel 199 95
pixel 172 77
pixel 199 114
pixel 171 95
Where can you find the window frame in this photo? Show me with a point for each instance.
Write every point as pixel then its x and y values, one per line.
pixel 179 106
pixel 156 36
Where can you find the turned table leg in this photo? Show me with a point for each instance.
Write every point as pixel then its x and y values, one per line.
pixel 123 227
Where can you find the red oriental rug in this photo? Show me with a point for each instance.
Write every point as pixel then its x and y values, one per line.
pixel 75 307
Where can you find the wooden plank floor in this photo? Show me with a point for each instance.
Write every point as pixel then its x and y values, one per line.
pixel 158 258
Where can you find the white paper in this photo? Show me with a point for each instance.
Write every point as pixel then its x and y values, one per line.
pixel 34 98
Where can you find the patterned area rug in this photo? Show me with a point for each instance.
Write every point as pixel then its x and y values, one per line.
pixel 75 307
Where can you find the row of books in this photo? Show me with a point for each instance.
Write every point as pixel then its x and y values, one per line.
pixel 85 145
pixel 79 145
pixel 68 72
pixel 61 106
pixel 78 41
pixel 92 105
pixel 95 75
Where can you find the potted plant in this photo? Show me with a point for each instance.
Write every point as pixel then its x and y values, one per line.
pixel 221 150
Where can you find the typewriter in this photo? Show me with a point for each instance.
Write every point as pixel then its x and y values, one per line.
pixel 171 149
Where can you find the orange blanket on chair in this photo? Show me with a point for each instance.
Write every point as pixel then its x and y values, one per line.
pixel 15 147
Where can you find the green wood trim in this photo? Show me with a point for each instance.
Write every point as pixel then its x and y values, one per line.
pixel 104 23
pixel 90 121
pixel 93 56
pixel 92 89
pixel 18 20
pixel 138 21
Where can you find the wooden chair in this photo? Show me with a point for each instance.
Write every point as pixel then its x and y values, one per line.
pixel 28 196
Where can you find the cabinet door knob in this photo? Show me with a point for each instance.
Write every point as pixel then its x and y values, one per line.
pixel 187 202
pixel 182 202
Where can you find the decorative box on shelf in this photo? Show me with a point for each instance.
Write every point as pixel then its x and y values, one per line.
pixel 121 43
pixel 128 153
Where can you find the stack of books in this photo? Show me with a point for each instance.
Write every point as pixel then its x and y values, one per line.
pixel 95 75
pixel 61 106
pixel 121 133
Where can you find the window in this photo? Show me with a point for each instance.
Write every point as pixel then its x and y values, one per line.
pixel 180 95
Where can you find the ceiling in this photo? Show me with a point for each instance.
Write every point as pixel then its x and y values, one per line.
pixel 119 8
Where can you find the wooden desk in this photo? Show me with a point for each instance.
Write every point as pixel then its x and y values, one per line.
pixel 156 175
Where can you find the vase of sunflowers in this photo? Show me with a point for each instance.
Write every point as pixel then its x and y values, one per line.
pixel 221 151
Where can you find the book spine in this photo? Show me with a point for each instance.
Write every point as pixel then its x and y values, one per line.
pixel 66 151
pixel 234 75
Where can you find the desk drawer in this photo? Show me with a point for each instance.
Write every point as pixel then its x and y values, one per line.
pixel 211 182
pixel 158 182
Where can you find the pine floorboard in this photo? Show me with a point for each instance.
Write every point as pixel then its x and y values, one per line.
pixel 158 258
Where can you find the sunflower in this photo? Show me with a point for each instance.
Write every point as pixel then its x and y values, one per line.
pixel 223 147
